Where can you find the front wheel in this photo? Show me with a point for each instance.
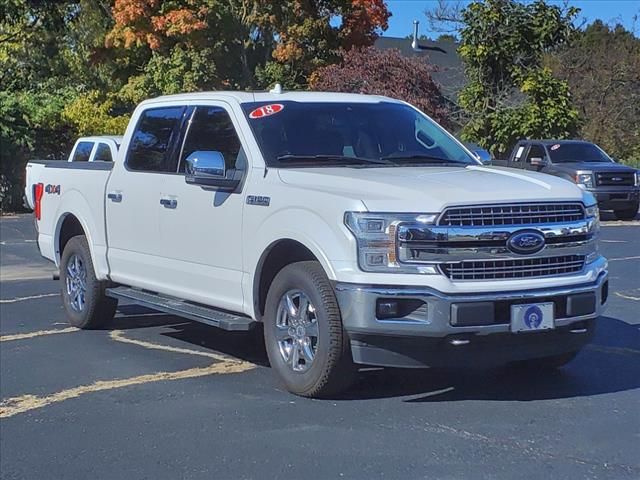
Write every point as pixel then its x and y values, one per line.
pixel 304 337
pixel 83 295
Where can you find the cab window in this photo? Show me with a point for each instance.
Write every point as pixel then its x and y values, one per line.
pixel 83 152
pixel 103 153
pixel 151 148
pixel 536 151
pixel 211 129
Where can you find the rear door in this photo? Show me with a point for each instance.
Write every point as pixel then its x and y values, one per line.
pixel 201 227
pixel 133 199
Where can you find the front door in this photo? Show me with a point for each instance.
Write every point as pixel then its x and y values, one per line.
pixel 201 227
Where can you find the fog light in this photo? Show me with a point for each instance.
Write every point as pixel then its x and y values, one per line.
pixel 386 309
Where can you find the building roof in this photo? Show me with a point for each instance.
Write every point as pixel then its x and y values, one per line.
pixel 449 72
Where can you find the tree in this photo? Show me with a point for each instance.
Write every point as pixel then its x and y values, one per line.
pixel 510 95
pixel 384 72
pixel 240 43
pixel 602 68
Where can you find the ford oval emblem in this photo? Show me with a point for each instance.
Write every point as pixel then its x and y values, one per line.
pixel 526 242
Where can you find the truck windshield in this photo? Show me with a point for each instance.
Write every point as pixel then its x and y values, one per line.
pixel 577 152
pixel 350 134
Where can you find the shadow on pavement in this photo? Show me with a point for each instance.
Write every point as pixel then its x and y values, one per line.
pixel 610 365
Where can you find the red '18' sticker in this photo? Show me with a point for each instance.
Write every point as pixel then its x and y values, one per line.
pixel 266 110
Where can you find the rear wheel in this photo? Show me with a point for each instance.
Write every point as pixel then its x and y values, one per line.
pixel 304 337
pixel 83 296
pixel 627 213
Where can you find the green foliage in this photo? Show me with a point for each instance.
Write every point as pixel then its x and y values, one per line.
pixel 90 114
pixel 602 68
pixel 509 94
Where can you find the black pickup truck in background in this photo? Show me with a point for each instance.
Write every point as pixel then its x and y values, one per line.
pixel 616 186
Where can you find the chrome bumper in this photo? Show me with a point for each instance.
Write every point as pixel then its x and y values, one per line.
pixel 358 308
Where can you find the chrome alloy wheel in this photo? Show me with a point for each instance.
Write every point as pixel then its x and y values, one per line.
pixel 296 330
pixel 76 282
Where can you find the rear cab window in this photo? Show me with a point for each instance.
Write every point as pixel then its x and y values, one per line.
pixel 103 153
pixel 82 152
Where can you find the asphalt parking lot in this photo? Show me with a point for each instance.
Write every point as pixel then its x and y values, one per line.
pixel 158 397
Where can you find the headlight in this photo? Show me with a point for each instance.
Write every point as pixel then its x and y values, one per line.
pixel 584 180
pixel 593 211
pixel 637 178
pixel 375 234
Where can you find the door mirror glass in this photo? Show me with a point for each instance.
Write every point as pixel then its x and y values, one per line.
pixel 205 164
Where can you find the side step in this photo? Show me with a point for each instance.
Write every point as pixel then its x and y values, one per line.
pixel 181 308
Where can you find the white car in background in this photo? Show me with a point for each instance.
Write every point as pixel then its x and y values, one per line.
pixel 103 148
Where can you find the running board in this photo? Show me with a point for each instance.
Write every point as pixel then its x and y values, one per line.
pixel 181 308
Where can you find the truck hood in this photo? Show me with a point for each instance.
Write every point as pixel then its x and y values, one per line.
pixel 431 189
pixel 593 166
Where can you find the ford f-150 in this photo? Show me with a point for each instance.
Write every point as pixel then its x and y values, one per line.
pixel 354 228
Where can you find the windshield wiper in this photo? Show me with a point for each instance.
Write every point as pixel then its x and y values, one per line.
pixel 290 157
pixel 423 158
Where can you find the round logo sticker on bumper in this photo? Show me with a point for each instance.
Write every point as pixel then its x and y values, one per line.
pixel 533 317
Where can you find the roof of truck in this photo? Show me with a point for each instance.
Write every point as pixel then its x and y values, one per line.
pixel 96 138
pixel 553 142
pixel 271 96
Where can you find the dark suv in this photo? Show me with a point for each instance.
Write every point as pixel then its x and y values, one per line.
pixel 616 186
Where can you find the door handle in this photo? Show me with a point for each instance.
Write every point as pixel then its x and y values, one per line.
pixel 114 196
pixel 169 202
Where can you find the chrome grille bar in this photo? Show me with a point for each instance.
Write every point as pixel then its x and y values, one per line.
pixel 516 214
pixel 615 179
pixel 513 268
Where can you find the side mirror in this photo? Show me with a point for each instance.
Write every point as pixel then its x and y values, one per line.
pixel 538 161
pixel 208 169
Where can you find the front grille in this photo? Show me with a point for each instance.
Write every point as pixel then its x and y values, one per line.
pixel 517 214
pixel 624 179
pixel 519 268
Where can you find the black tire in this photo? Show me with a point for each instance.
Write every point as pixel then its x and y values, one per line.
pixel 97 309
pixel 627 213
pixel 331 370
pixel 546 363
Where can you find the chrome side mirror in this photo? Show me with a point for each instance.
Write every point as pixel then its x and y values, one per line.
pixel 208 169
pixel 205 164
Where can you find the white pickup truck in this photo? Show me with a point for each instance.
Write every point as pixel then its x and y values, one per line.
pixel 86 149
pixel 353 227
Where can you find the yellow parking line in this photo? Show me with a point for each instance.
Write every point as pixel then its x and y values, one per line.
pixel 628 297
pixel 617 350
pixel 118 336
pixel 24 336
pixel 25 403
pixel 31 297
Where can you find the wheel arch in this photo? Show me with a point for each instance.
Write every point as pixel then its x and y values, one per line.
pixel 275 257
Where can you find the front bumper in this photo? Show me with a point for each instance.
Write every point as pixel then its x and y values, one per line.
pixel 433 334
pixel 616 199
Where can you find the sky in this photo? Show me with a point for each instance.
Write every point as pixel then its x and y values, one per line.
pixel 614 11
